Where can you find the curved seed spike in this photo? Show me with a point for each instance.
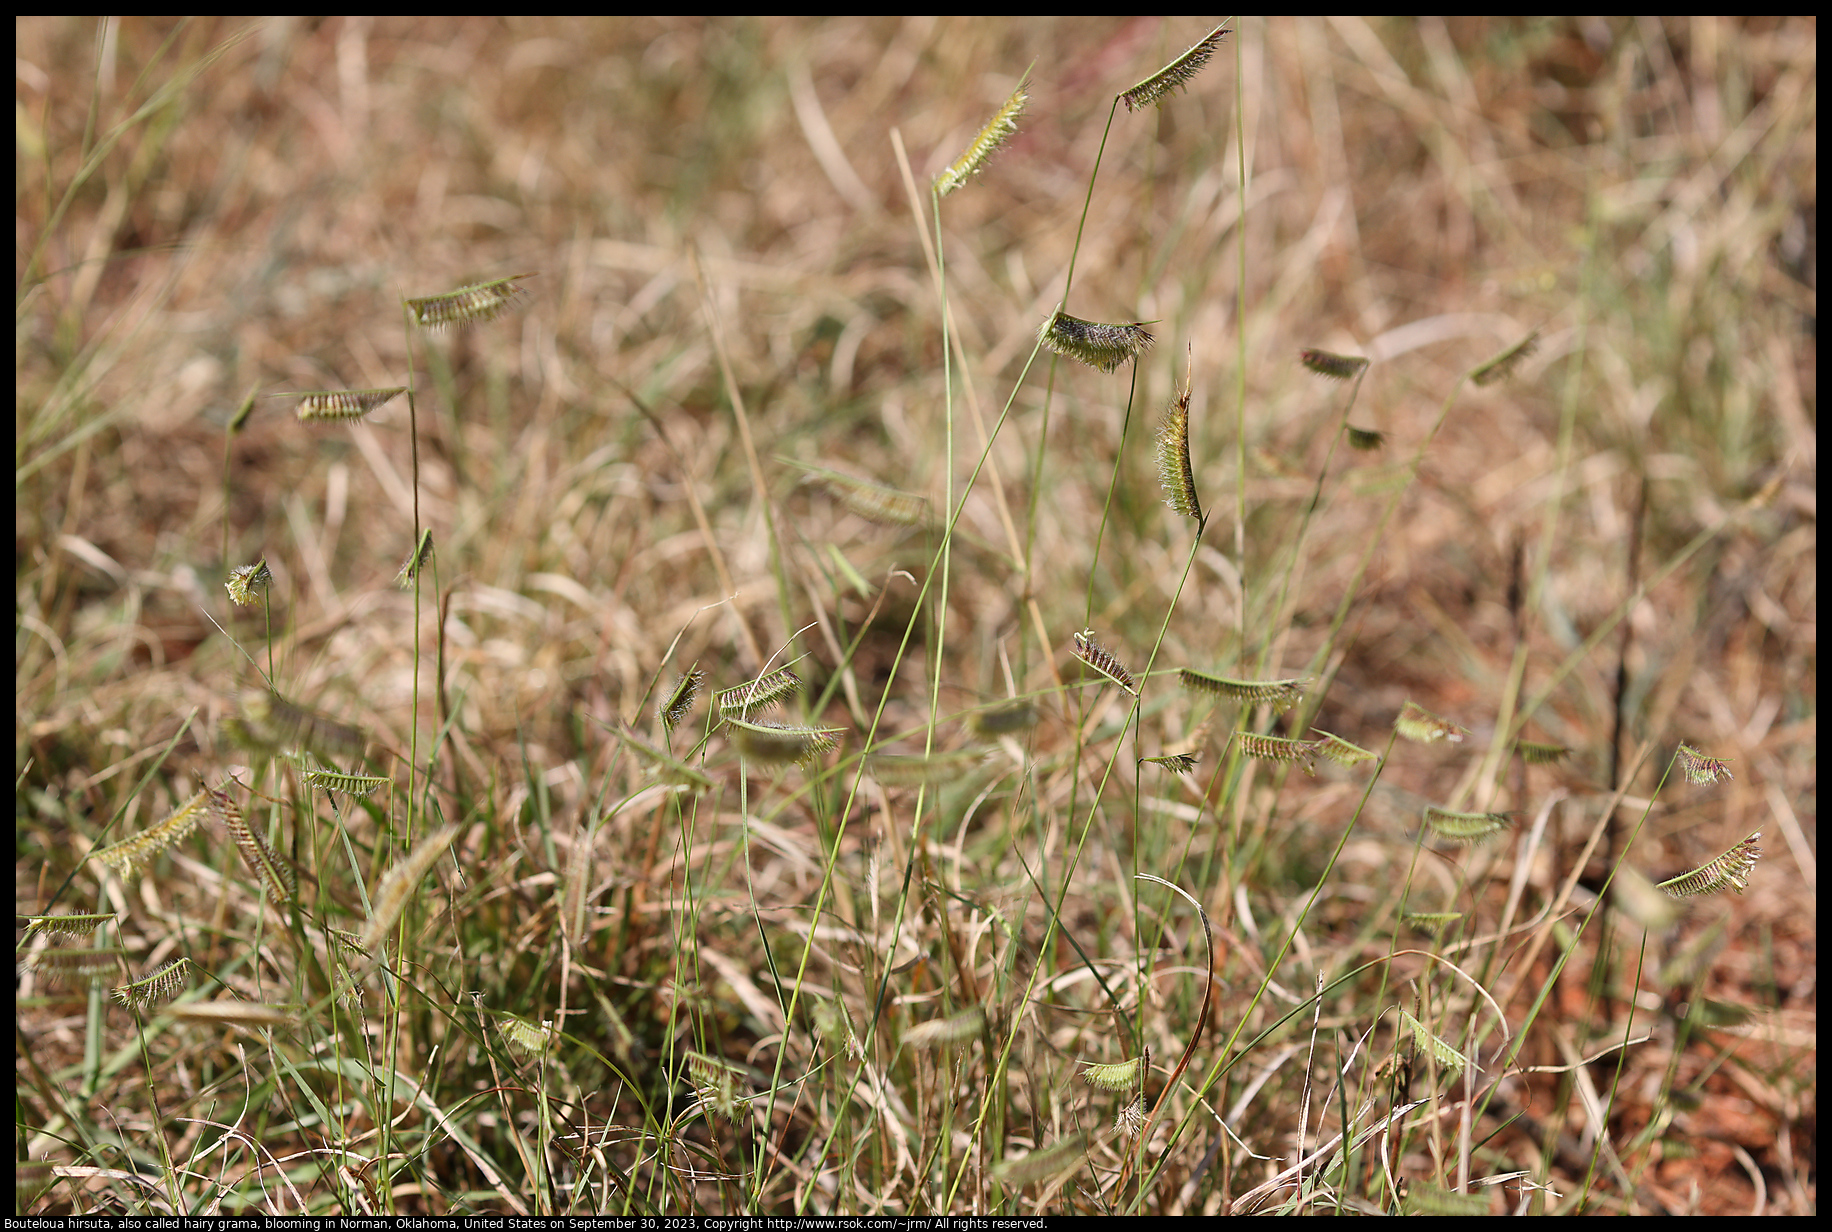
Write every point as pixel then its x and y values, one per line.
pixel 1102 660
pixel 1328 363
pixel 1701 769
pixel 780 745
pixel 1175 473
pixel 1095 343
pixel 1002 125
pixel 1456 827
pixel 1174 75
pixel 472 305
pixel 1282 695
pixel 1420 725
pixel 1278 748
pixel 1502 366
pixel 323 405
pixel 1731 870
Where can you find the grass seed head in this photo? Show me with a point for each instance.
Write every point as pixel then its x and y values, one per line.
pixel 1095 343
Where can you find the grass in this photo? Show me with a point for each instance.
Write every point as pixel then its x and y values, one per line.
pixel 898 702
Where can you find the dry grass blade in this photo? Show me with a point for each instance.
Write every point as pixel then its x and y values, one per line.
pixel 972 160
pixel 1174 75
pixel 472 305
pixel 1095 343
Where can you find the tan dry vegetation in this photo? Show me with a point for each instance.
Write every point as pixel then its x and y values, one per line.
pixel 718 219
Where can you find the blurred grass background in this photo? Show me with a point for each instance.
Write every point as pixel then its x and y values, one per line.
pixel 204 207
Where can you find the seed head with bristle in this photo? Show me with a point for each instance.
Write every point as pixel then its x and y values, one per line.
pixel 1002 125
pixel 1175 74
pixel 323 405
pixel 1730 870
pixel 1175 472
pixel 1102 660
pixel 1095 343
pixel 1328 363
pixel 1420 725
pixel 472 305
pixel 1502 366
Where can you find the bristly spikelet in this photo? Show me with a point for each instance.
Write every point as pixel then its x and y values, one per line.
pixel 1278 748
pixel 247 583
pixel 243 1015
pixel 1730 869
pixel 963 1025
pixel 743 700
pixel 1006 718
pixel 402 882
pixel 1335 367
pixel 1045 1163
pixel 416 560
pixel 1432 922
pixel 348 784
pixel 272 722
pixel 1174 75
pixel 679 702
pixel 1175 473
pixel 161 985
pixel 1002 125
pixel 923 770
pixel 324 405
pixel 1177 763
pixel 1095 343
pixel 774 744
pixel 1339 750
pixel 1117 1076
pixel 1420 725
pixel 716 1082
pixel 1282 695
pixel 1102 660
pixel 1455 827
pixel 875 502
pixel 1540 754
pixel 1365 440
pixel 472 305
pixel 67 925
pixel 1701 769
pixel 73 965
pixel 524 1035
pixel 1441 1052
pixel 277 877
pixel 1502 366
pixel 131 854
